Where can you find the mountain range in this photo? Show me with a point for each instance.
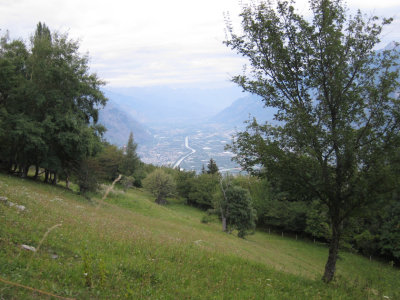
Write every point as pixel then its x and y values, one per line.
pixel 120 123
pixel 145 114
pixel 241 110
pixel 147 110
pixel 160 106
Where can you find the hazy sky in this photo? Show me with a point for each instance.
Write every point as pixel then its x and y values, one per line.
pixel 155 42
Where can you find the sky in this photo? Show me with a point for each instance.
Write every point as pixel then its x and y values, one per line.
pixel 144 43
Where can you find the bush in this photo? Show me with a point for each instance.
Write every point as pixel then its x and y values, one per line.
pixel 87 179
pixel 127 182
pixel 160 184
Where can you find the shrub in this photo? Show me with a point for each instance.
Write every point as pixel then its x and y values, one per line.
pixel 160 184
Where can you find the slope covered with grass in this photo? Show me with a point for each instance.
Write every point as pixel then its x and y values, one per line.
pixel 129 247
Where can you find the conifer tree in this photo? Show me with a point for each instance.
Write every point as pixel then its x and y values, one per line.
pixel 212 167
pixel 131 160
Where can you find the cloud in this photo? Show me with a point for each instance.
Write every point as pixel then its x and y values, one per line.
pixel 136 42
pixel 152 42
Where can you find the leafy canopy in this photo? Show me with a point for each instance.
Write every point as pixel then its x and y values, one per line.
pixel 49 103
pixel 337 105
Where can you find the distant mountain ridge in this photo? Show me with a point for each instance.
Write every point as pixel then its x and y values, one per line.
pixel 120 123
pixel 252 106
pixel 241 110
pixel 160 106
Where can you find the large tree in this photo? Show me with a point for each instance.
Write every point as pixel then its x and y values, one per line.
pixel 235 207
pixel 337 106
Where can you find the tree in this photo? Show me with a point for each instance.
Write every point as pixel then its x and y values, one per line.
pixel 160 184
pixel 212 167
pixel 131 160
pixel 110 159
pixel 337 109
pixel 390 232
pixel 236 209
pixel 202 188
pixel 87 176
pixel 184 182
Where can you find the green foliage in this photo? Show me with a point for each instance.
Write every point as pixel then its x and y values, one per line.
pixel 390 232
pixel 366 242
pixel 139 175
pixel 110 160
pixel 286 215
pixel 127 182
pixel 317 221
pixel 337 106
pixel 160 184
pixel 212 167
pixel 202 189
pixel 49 104
pixel 206 219
pixel 239 211
pixel 130 163
pixel 197 190
pixel 234 206
pixel 87 176
pixel 184 181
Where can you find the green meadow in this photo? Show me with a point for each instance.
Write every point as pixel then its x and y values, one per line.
pixel 128 247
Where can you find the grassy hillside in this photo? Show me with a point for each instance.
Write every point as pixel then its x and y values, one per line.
pixel 129 247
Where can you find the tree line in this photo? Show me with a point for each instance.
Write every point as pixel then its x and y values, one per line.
pixel 49 106
pixel 254 201
pixel 220 196
pixel 49 103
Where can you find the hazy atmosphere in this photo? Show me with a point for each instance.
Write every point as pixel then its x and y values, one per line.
pixel 174 43
pixel 167 72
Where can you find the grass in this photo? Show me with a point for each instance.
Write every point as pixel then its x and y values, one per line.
pixel 131 248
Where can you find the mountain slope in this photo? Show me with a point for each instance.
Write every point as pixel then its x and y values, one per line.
pixel 241 110
pixel 167 106
pixel 119 124
pixel 130 248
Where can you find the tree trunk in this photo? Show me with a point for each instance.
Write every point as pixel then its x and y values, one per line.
pixel 20 170
pixel 23 170
pixel 46 176
pixel 26 170
pixel 160 200
pixel 330 266
pixel 67 182
pixel 54 181
pixel 36 172
pixel 223 224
